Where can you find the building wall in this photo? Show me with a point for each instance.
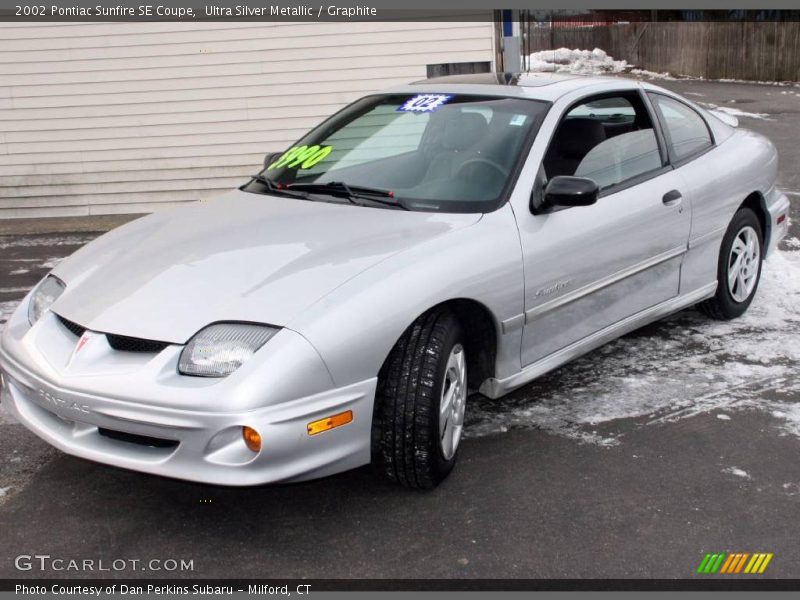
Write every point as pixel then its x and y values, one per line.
pixel 108 118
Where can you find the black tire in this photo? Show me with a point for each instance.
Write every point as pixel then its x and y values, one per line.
pixel 723 306
pixel 405 428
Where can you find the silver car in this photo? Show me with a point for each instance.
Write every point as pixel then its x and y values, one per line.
pixel 462 234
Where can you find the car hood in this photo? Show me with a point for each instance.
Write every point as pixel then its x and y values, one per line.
pixel 240 257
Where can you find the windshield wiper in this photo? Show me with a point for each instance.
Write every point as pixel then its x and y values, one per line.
pixel 278 189
pixel 352 193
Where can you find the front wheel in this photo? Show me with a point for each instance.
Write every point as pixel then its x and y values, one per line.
pixel 421 401
pixel 739 267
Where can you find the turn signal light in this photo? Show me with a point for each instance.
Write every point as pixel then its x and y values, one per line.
pixel 252 438
pixel 330 422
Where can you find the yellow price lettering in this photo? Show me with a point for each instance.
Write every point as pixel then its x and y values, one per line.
pixel 303 157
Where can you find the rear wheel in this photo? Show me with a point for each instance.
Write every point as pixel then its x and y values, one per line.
pixel 739 267
pixel 421 401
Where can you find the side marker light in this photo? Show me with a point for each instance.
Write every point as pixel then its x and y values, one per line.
pixel 330 422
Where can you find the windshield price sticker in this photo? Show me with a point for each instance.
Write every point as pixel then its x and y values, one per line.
pixel 303 157
pixel 424 103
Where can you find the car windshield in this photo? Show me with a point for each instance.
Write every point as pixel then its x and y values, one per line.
pixel 428 152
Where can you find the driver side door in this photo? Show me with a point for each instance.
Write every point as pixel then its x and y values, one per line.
pixel 588 268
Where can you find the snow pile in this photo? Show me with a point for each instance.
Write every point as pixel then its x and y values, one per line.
pixel 582 62
pixel 56 240
pixel 585 62
pixel 677 368
pixel 735 112
pixel 642 73
pixel 738 472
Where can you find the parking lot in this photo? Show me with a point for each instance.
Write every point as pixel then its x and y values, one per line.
pixel 679 439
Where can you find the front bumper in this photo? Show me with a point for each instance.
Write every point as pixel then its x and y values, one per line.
pixel 196 445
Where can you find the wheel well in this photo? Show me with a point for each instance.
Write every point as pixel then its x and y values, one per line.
pixel 755 202
pixel 481 338
pixel 481 333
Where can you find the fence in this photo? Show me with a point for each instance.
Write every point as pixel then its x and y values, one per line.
pixel 756 51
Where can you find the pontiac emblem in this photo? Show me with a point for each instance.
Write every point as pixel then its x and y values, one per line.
pixel 82 342
pixel 60 403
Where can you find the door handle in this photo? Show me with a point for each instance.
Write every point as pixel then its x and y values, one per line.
pixel 671 198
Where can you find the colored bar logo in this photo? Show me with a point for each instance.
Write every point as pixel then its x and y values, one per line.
pixel 734 563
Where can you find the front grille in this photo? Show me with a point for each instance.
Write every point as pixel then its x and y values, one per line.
pixel 132 438
pixel 124 343
pixel 76 329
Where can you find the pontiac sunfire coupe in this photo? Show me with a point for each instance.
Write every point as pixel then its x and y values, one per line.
pixel 460 234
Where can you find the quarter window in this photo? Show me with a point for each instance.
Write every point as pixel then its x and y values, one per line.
pixel 687 131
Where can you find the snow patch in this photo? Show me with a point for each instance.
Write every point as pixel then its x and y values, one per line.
pixel 51 263
pixel 644 74
pixel 792 489
pixel 724 417
pixel 735 112
pixel 790 414
pixel 49 240
pixel 751 82
pixel 737 472
pixel 4 491
pixel 677 368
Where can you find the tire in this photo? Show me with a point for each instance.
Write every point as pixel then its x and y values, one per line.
pixel 406 441
pixel 731 301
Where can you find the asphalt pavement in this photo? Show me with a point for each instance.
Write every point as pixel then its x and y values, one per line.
pixel 680 439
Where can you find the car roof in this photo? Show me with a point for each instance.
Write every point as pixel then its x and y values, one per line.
pixel 537 86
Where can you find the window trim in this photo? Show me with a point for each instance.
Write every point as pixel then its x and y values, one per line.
pixel 663 146
pixel 660 140
pixel 673 160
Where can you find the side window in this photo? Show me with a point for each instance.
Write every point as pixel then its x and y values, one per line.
pixel 687 131
pixel 608 139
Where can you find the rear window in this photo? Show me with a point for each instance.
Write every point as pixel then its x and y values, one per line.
pixel 606 109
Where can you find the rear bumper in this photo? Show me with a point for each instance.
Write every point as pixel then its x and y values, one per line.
pixel 778 209
pixel 194 445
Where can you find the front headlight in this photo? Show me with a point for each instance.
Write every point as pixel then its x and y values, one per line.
pixel 44 295
pixel 220 349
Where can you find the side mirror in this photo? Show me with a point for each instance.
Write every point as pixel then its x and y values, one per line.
pixel 564 191
pixel 271 157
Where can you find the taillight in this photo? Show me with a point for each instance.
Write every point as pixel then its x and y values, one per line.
pixel 781 219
